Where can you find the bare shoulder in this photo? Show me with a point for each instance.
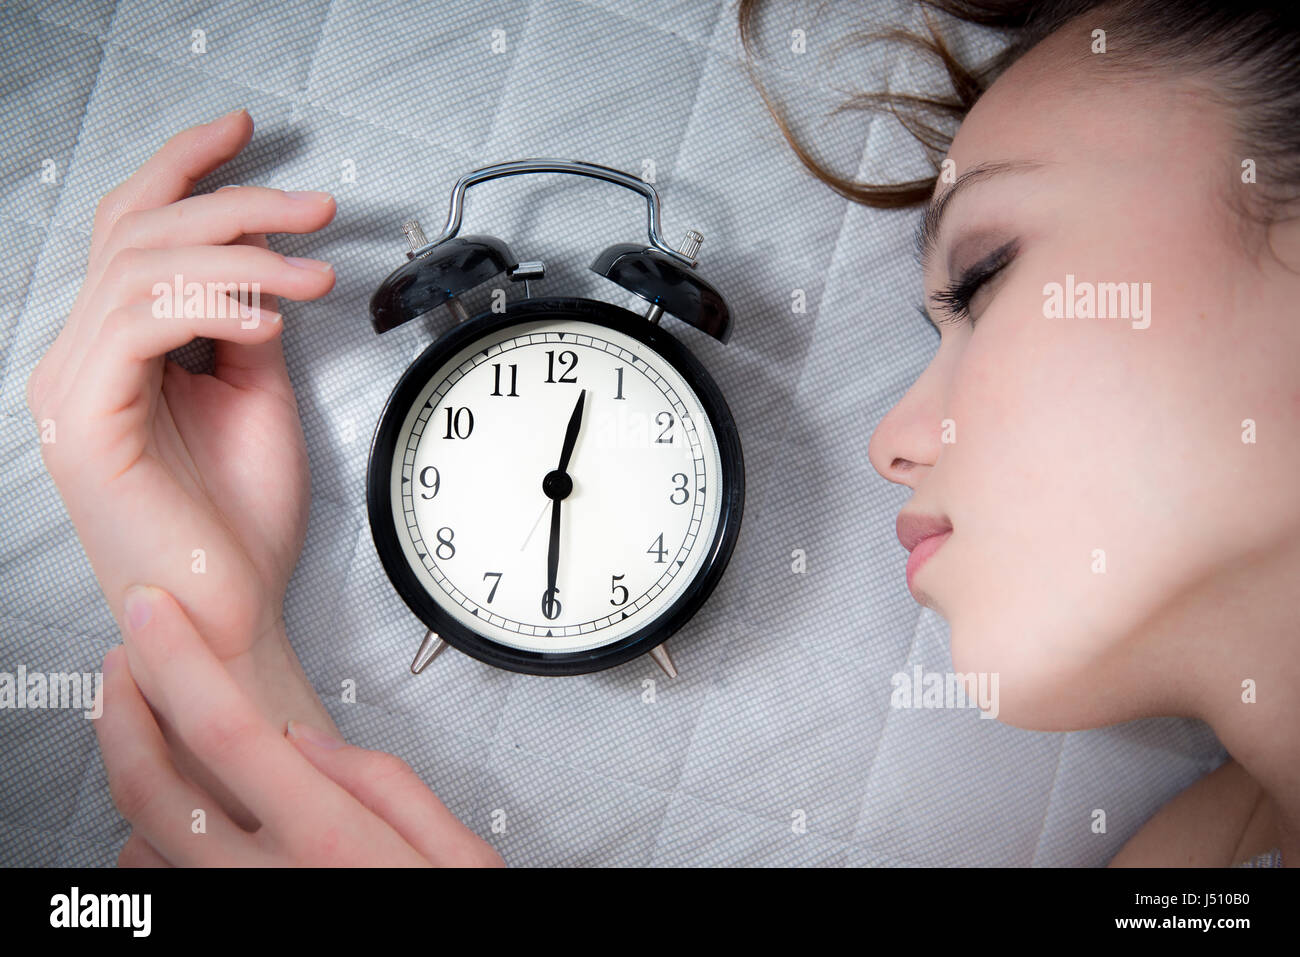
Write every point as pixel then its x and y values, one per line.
pixel 1222 819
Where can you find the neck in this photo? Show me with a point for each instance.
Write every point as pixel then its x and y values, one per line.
pixel 1244 680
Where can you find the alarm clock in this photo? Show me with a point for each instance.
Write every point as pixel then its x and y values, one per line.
pixel 555 485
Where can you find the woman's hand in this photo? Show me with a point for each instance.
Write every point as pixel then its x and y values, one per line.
pixel 320 802
pixel 197 482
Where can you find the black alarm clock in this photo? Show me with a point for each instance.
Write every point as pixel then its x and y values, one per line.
pixel 556 486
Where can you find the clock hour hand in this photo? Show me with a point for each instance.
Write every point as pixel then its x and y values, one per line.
pixel 556 486
pixel 571 434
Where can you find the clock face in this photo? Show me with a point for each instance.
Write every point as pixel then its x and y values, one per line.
pixel 467 484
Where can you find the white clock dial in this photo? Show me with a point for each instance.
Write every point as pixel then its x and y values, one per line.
pixel 467 497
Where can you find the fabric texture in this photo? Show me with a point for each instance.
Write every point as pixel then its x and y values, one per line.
pixel 777 744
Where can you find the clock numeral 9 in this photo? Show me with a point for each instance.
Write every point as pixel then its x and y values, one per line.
pixel 658 549
pixel 659 421
pixel 550 604
pixel 445 543
pixel 679 488
pixel 571 362
pixel 424 480
pixel 463 422
pixel 514 379
pixel 614 587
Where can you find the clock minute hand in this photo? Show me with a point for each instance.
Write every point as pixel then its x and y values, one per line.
pixel 552 557
pixel 557 485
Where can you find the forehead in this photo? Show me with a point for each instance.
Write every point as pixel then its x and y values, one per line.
pixel 1061 103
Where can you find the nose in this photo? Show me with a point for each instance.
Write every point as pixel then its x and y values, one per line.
pixel 907 442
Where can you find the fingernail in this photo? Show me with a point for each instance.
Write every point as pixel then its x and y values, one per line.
pixel 139 608
pixel 313 264
pixel 309 195
pixel 305 732
pixel 229 186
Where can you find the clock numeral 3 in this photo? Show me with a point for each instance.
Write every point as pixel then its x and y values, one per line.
pixel 463 422
pixel 616 588
pixel 571 362
pixel 424 480
pixel 679 488
pixel 445 543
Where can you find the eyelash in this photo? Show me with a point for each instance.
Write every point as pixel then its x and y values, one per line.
pixel 955 298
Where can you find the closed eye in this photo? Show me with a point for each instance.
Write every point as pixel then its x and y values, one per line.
pixel 953 300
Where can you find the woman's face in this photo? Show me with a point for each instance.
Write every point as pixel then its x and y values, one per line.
pixel 1084 444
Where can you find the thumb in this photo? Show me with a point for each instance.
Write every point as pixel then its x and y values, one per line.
pixel 390 789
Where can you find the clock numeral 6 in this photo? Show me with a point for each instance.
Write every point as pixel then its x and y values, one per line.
pixel 571 362
pixel 657 548
pixel 679 488
pixel 616 588
pixel 424 480
pixel 463 422
pixel 550 604
pixel 445 543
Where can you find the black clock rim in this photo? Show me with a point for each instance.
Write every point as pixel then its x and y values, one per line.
pixel 384 531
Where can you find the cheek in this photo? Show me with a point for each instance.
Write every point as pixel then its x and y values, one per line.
pixel 1069 487
pixel 1032 485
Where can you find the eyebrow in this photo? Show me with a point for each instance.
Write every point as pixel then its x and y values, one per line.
pixel 927 233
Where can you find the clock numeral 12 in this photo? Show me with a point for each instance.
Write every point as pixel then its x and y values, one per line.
pixel 571 362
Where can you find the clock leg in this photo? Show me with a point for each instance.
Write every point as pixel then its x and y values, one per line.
pixel 660 655
pixel 430 648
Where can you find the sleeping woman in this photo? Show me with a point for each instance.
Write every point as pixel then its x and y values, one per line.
pixel 1102 452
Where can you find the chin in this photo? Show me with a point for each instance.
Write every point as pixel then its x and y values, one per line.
pixel 1036 691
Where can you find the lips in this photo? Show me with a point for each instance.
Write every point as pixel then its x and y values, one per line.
pixel 913 528
pixel 922 535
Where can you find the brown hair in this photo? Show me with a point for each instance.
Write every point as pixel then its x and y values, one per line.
pixel 1250 52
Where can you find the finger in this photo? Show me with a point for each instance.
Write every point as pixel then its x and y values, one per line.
pixel 222 217
pixel 181 279
pixel 147 789
pixel 137 852
pixel 120 366
pixel 389 787
pixel 166 276
pixel 195 694
pixel 254 365
pixel 171 172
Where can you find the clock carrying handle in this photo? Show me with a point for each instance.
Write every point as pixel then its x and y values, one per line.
pixel 548 165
